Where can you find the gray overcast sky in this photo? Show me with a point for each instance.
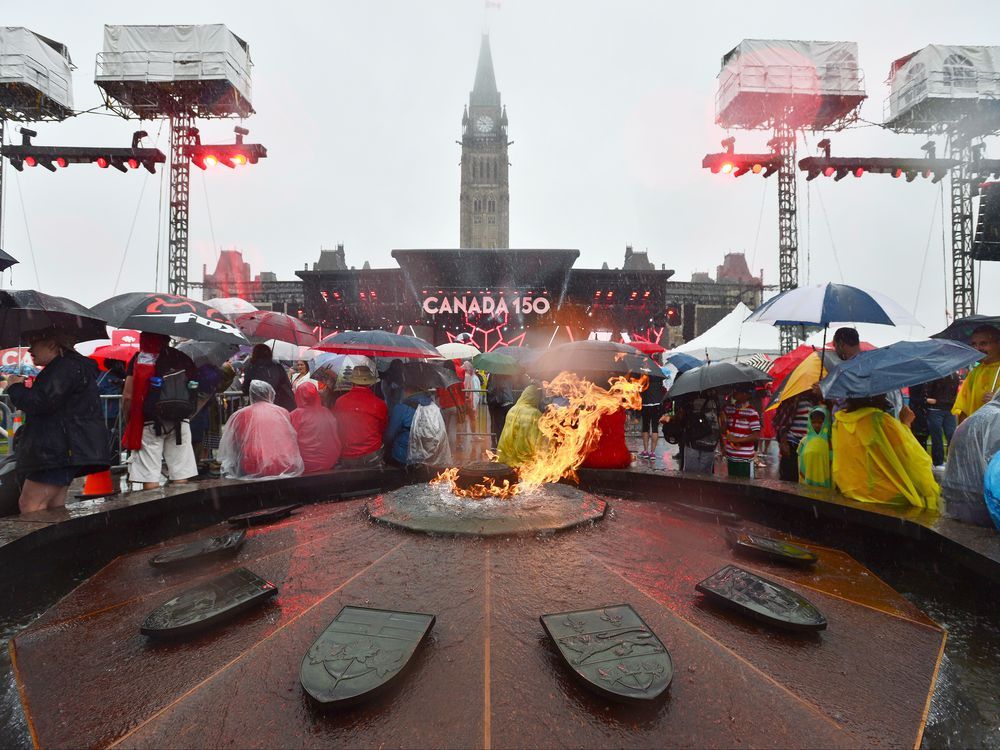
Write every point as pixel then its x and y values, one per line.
pixel 611 109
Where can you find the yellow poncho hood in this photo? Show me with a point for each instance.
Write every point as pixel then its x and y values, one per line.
pixel 520 437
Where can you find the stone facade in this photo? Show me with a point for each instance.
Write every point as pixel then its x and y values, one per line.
pixel 485 194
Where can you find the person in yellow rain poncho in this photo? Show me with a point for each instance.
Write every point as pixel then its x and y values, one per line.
pixel 521 437
pixel 981 383
pixel 876 459
pixel 814 450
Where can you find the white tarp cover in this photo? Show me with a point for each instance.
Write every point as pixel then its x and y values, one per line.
pixel 945 72
pixel 208 52
pixel 31 59
pixel 782 66
pixel 732 339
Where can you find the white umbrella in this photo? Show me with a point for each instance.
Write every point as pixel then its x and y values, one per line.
pixel 824 304
pixel 455 350
pixel 230 305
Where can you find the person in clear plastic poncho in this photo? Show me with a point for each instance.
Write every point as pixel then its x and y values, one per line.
pixel 814 450
pixel 259 441
pixel 876 459
pixel 973 445
pixel 521 437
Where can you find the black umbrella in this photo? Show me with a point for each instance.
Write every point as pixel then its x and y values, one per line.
pixel 170 315
pixel 25 310
pixel 961 328
pixel 594 359
pixel 7 260
pixel 426 376
pixel 212 353
pixel 716 375
pixel 378 344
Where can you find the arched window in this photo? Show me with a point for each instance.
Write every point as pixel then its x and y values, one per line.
pixel 482 168
pixel 959 72
pixel 474 171
pixel 491 205
pixel 914 85
pixel 495 173
pixel 477 205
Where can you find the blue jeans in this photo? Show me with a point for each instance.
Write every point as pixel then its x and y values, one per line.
pixel 939 422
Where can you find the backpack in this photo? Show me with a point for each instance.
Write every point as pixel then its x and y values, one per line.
pixel 176 402
pixel 700 424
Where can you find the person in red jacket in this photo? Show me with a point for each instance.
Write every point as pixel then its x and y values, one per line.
pixel 316 429
pixel 611 452
pixel 361 419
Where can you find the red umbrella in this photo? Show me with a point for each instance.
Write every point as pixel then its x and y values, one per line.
pixel 647 347
pixel 265 325
pixel 378 344
pixel 121 352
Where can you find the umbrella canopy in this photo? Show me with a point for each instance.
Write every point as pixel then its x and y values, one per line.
pixel 378 344
pixel 339 365
pixel 806 374
pixel 647 347
pixel 7 260
pixel 897 366
pixel 716 375
pixel 961 328
pixel 212 353
pixel 266 325
pixel 25 310
pixel 594 359
pixel 231 305
pixel 497 364
pixel 681 362
pixel 522 354
pixel 428 376
pixel 455 350
pixel 824 304
pixel 170 315
pixel 28 371
pixel 120 352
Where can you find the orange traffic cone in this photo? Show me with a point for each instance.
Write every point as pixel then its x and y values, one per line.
pixel 97 485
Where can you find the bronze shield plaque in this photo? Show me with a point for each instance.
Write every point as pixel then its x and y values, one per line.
pixel 362 651
pixel 208 604
pixel 762 599
pixel 612 651
pixel 202 549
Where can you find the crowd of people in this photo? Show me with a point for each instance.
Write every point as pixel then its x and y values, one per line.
pixel 872 450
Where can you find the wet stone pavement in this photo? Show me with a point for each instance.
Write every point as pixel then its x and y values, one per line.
pixel 487 676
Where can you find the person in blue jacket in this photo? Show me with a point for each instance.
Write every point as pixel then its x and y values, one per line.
pixel 397 434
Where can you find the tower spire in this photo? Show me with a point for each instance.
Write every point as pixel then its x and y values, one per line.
pixel 484 91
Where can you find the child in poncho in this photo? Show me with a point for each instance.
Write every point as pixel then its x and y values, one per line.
pixel 815 459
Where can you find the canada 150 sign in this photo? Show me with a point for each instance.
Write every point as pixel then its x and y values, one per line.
pixel 486 305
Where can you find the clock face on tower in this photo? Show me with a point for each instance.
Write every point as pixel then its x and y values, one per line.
pixel 484 123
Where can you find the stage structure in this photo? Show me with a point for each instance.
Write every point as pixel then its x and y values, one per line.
pixel 785 86
pixel 178 73
pixel 36 82
pixel 953 91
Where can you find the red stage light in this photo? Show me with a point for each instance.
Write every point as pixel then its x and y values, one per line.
pixel 211 161
pixel 61 161
pixel 859 171
pixel 31 161
pixel 238 160
pixel 828 172
pixel 727 168
pixel 133 163
pixel 756 168
pixel 102 162
pixel 897 172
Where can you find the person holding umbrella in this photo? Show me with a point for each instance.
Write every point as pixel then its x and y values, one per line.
pixel 263 367
pixel 153 435
pixel 361 419
pixel 64 435
pixel 416 433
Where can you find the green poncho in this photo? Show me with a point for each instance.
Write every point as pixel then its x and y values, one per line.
pixel 814 452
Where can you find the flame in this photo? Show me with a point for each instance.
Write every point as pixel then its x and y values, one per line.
pixel 486 488
pixel 570 433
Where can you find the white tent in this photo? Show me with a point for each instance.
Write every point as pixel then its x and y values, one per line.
pixel 732 339
pixel 874 334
